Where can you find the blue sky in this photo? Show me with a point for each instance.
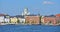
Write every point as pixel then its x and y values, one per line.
pixel 44 7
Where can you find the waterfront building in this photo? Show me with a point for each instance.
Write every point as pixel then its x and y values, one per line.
pixel 7 19
pixel 49 20
pixel 58 18
pixel 32 19
pixel 21 19
pixel 13 19
pixel 2 18
pixel 57 15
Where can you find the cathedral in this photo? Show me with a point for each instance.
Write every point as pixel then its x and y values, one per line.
pixel 25 12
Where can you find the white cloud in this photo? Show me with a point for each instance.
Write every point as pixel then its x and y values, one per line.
pixel 48 2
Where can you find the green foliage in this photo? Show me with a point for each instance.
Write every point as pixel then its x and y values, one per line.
pixel 18 21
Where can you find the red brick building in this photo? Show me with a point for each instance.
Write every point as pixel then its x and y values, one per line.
pixel 49 20
pixel 32 19
pixel 58 18
pixel 57 15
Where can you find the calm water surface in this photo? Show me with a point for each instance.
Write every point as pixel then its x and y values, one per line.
pixel 29 28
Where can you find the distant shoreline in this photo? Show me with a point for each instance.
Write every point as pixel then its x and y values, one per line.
pixel 25 24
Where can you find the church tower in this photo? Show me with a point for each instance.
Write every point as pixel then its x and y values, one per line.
pixel 25 12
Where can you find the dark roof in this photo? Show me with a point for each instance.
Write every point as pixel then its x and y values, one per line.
pixel 50 16
pixel 12 16
pixel 19 16
pixel 4 15
pixel 31 15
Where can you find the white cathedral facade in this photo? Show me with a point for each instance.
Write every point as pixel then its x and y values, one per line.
pixel 25 12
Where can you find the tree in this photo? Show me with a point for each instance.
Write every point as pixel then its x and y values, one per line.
pixel 18 21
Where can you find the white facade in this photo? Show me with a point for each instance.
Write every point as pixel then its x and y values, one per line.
pixel 1 18
pixel 26 12
pixel 22 20
pixel 42 20
pixel 7 20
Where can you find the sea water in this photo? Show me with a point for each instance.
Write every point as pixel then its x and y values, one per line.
pixel 29 28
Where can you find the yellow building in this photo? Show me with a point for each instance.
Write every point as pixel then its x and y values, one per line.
pixel 13 20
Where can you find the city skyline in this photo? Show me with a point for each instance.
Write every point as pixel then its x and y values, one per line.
pixel 43 7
